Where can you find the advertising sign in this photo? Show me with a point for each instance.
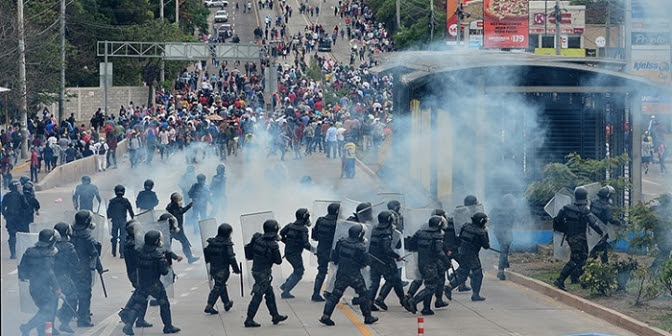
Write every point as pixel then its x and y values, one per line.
pixel 505 24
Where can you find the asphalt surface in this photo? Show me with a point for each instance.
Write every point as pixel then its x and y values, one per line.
pixel 509 310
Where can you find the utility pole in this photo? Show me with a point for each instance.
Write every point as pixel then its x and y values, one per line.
pixel 628 34
pixel 558 18
pixel 459 21
pixel 177 12
pixel 61 98
pixel 607 33
pixel 431 20
pixel 22 78
pixel 163 64
pixel 398 14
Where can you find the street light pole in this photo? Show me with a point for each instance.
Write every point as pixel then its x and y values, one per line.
pixel 558 18
pixel 61 98
pixel 459 20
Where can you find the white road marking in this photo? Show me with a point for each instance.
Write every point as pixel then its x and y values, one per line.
pixel 13 272
pixel 184 294
pixel 109 329
pixel 112 319
pixel 181 275
pixel 189 268
pixel 193 288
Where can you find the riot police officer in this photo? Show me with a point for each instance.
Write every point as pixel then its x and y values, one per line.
pixel 33 204
pixel 200 196
pixel 117 210
pixel 264 251
pixel 176 209
pixel 473 237
pixel 350 255
pixel 323 233
pixel 152 264
pixel 186 181
pixel 65 262
pixel 134 233
pixel 218 189
pixel 88 252
pixel 572 220
pixel 384 265
pixel 602 209
pixel 219 254
pixel 429 244
pixel 147 198
pixel 37 266
pixel 395 207
pixel 84 193
pixel 14 208
pixel 503 217
pixel 363 214
pixel 295 237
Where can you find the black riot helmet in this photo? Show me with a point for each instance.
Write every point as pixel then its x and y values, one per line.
pixel 479 219
pixel 580 194
pixel 221 169
pixel 24 179
pixel 86 179
pixel 176 197
pixel 394 205
pixel 28 188
pixel 64 229
pixel 356 232
pixel 364 211
pixel 14 185
pixel 604 193
pixel 224 230
pixel 172 221
pixel 302 215
pixel 200 178
pixel 47 238
pixel 385 219
pixel 83 220
pixel 153 238
pixel 119 190
pixel 436 223
pixel 149 184
pixel 470 200
pixel 271 226
pixel 333 208
pixel 439 212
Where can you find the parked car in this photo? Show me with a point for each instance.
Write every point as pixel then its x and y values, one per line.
pixel 215 3
pixel 221 16
pixel 324 44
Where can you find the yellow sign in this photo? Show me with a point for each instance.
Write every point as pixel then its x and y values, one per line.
pixel 571 52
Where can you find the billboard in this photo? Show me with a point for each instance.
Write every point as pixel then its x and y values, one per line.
pixel 505 24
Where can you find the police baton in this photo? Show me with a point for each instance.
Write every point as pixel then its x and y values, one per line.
pixel 102 281
pixel 404 257
pixel 240 267
pixel 62 297
pixel 495 250
pixel 376 259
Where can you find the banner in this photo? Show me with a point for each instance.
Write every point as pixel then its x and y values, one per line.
pixel 451 18
pixel 505 24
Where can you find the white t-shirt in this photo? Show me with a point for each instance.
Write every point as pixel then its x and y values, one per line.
pixel 339 134
pixel 164 138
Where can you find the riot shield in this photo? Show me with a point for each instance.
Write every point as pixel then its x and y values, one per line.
pixel 249 225
pixel 348 207
pixel 167 280
pixel 146 216
pixel 386 197
pixel 414 221
pixel 462 215
pixel 208 228
pixel 319 210
pixel 342 227
pixel 560 247
pixel 101 232
pixel 25 240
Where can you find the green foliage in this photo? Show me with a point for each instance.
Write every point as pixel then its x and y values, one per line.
pixel 314 71
pixel 643 222
pixel 332 96
pixel 665 276
pixel 645 285
pixel 576 171
pixel 599 278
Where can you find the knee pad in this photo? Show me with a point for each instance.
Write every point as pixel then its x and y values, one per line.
pixel 337 294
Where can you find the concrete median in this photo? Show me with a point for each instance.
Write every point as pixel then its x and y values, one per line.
pixel 72 172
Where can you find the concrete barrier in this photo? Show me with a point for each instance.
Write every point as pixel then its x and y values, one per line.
pixel 72 172
pixel 599 311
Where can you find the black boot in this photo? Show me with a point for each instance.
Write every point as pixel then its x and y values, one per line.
pixel 476 283
pixel 114 248
pixel 326 320
pixel 166 318
pixel 252 311
pixel 12 248
pixel 317 288
pixel 566 271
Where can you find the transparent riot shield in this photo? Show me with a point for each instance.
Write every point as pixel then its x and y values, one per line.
pixel 25 240
pixel 167 280
pixel 342 227
pixel 553 207
pixel 462 215
pixel 386 197
pixel 414 221
pixel 101 232
pixel 348 207
pixel 146 216
pixel 249 225
pixel 319 210
pixel 208 228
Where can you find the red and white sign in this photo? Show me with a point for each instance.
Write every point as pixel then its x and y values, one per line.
pixel 539 18
pixel 506 24
pixel 566 18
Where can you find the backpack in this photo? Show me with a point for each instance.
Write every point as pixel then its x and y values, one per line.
pixel 249 247
pixel 559 225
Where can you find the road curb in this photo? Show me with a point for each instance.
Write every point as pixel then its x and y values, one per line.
pixel 20 167
pixel 599 311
